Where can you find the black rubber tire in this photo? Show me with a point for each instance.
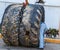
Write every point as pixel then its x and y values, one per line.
pixel 10 24
pixel 31 26
pixel 28 35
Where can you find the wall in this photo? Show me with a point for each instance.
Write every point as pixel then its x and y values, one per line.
pixel 52 15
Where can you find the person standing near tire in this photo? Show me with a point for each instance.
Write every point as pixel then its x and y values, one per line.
pixel 43 26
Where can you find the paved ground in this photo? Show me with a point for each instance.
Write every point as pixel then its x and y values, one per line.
pixel 48 46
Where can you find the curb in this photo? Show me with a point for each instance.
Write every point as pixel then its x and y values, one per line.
pixel 48 40
pixel 0 35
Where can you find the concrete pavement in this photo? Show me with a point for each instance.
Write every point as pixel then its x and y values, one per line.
pixel 48 46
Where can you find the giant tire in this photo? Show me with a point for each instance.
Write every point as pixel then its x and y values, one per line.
pixel 10 24
pixel 32 17
pixel 28 34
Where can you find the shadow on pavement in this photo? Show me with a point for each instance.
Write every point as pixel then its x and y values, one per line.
pixel 48 46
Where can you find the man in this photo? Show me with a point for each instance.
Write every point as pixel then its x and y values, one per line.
pixel 43 26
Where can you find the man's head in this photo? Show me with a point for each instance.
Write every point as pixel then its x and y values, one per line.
pixel 40 1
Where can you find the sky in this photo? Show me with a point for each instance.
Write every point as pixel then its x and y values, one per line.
pixel 52 14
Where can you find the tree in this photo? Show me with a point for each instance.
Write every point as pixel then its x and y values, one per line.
pixel 51 32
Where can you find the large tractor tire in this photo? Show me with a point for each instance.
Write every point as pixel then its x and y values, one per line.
pixel 10 24
pixel 28 33
pixel 32 17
